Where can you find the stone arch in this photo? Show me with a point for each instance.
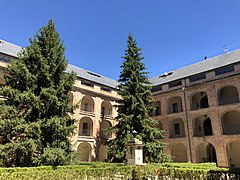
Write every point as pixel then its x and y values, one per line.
pixel 87 104
pixel 85 127
pixel 206 153
pixel 103 153
pixel 84 152
pixel 199 100
pixel 179 152
pixel 228 95
pixel 106 108
pixel 202 126
pixel 233 154
pixel 175 104
pixel 231 122
pixel 177 128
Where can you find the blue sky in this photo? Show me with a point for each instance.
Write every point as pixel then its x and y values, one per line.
pixel 172 33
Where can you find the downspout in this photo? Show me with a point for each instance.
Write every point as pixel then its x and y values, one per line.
pixel 186 116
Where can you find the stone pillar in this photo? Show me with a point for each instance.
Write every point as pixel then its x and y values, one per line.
pixel 135 152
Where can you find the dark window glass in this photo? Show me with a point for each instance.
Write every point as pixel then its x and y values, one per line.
pixel 87 83
pixel 174 84
pixel 177 129
pixel 197 77
pixel 224 70
pixel 158 110
pixel 156 88
pixel 105 89
pixel 85 130
pixel 175 107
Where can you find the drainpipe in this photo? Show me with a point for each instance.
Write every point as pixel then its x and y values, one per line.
pixel 186 116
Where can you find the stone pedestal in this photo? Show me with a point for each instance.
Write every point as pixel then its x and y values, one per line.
pixel 135 152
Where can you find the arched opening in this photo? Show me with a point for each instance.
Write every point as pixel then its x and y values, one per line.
pixel 157 109
pixel 199 101
pixel 85 127
pixel 177 128
pixel 228 95
pixel 206 153
pixel 103 153
pixel 203 126
pixel 87 104
pixel 106 108
pixel 104 126
pixel 84 152
pixel 175 105
pixel 231 122
pixel 179 153
pixel 233 154
pixel 160 127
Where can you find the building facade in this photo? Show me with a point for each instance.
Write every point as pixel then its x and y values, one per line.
pixel 197 106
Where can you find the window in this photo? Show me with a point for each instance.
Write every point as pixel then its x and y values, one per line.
pixel 177 129
pixel 157 110
pixel 86 107
pixel 174 84
pixel 157 88
pixel 86 83
pixel 224 70
pixel 175 107
pixel 103 110
pixel 85 130
pixel 105 89
pixel 197 77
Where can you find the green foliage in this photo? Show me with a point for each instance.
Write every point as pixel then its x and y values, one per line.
pixel 119 171
pixel 33 128
pixel 135 89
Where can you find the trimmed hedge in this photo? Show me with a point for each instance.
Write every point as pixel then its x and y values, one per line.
pixel 102 171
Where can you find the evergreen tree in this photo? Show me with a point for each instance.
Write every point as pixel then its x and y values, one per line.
pixel 35 103
pixel 135 89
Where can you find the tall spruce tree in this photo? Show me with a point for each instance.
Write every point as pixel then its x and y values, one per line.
pixel 35 103
pixel 135 89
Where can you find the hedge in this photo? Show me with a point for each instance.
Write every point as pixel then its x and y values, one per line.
pixel 102 171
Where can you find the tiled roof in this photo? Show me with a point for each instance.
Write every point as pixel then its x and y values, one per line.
pixel 9 49
pixel 91 76
pixel 12 50
pixel 202 66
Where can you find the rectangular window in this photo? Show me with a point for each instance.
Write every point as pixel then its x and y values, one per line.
pixel 86 107
pixel 224 70
pixel 197 77
pixel 175 107
pixel 174 84
pixel 103 110
pixel 85 130
pixel 105 89
pixel 156 88
pixel 86 83
pixel 176 129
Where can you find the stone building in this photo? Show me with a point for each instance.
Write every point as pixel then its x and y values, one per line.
pixel 197 106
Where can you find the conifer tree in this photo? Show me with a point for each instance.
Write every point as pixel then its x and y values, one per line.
pixel 135 89
pixel 33 126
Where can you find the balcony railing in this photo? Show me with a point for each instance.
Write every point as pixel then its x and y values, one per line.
pixel 233 129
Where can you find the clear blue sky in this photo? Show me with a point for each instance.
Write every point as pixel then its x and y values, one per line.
pixel 172 33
